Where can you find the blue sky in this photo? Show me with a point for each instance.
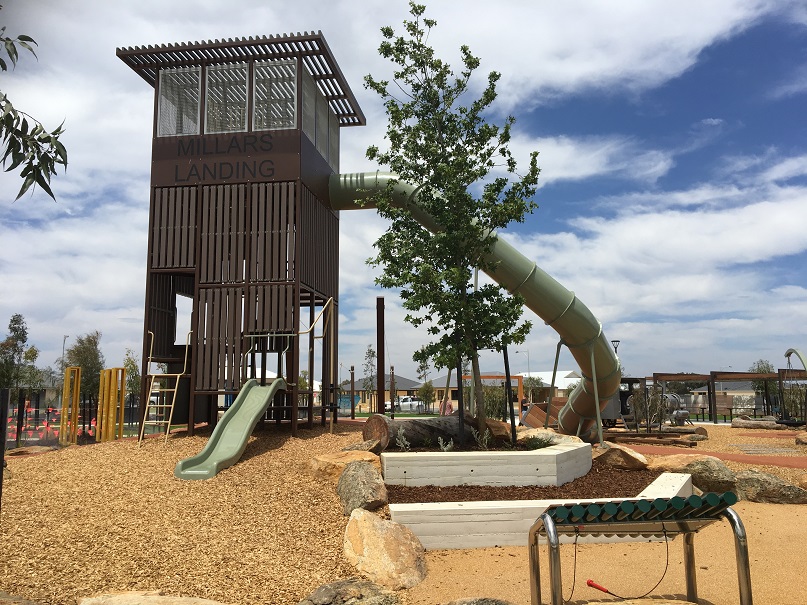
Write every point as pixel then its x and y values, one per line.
pixel 672 140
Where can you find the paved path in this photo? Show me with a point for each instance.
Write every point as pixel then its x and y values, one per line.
pixel 762 460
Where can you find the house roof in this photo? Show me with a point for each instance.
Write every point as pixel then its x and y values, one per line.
pixel 736 386
pixel 401 383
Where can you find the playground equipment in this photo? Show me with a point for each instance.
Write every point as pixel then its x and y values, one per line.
pixel 794 392
pixel 229 438
pixel 71 395
pixel 162 391
pixel 111 404
pixel 645 519
pixel 579 330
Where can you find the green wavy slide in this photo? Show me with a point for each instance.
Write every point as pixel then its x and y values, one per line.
pixel 229 439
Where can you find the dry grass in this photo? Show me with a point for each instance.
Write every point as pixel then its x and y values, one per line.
pixel 112 517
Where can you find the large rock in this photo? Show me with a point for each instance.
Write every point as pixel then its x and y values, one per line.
pixel 757 486
pixel 619 456
pixel 386 552
pixel 742 423
pixel 330 466
pixel 709 474
pixel 361 486
pixel 371 445
pixel 556 438
pixel 144 598
pixel 801 438
pixel 351 592
pixel 803 481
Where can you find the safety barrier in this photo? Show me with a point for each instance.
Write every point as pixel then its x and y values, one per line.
pixel 661 517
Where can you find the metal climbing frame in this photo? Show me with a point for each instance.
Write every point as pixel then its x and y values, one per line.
pixel 161 388
pixel 660 518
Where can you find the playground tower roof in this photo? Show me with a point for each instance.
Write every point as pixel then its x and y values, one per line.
pixel 311 48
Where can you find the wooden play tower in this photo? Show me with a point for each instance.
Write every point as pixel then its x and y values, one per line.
pixel 246 135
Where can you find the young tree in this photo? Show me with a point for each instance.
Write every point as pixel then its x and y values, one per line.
pixel 25 141
pixel 449 150
pixel 763 366
pixel 131 363
pixel 369 380
pixel 12 352
pixel 86 354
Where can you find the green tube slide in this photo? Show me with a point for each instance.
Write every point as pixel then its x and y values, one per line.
pixel 579 330
pixel 229 439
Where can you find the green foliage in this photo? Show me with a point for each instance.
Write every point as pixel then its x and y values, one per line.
pixel 482 439
pixel 131 363
pixel 531 384
pixel 449 149
pixel 445 446
pixel 682 387
pixel 495 401
pixel 401 440
pixel 12 351
pixel 763 366
pixel 648 405
pixel 86 354
pixel 426 393
pixel 537 442
pixel 369 380
pixel 26 142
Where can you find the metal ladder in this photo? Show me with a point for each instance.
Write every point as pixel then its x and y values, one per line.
pixel 162 388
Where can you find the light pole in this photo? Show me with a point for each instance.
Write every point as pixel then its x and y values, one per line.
pixel 615 344
pixel 529 376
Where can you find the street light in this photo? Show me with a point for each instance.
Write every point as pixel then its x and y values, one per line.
pixel 615 344
pixel 529 388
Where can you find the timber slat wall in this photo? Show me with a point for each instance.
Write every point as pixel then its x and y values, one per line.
pixel 319 234
pixel 173 241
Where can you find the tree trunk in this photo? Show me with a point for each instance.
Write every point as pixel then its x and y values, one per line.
pixel 418 432
pixel 479 395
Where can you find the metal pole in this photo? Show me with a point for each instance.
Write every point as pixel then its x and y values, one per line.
pixel 741 553
pixel 352 393
pixel 379 315
pixel 5 394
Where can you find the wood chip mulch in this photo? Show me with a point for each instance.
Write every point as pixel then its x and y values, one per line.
pixel 112 517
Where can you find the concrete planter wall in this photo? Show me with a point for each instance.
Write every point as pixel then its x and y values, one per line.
pixel 442 525
pixel 554 465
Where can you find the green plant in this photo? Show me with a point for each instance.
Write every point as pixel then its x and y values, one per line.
pixel 401 441
pixel 482 439
pixel 537 442
pixel 445 446
pixel 427 442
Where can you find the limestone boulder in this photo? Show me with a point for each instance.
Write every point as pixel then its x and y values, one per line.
pixel 709 474
pixel 354 591
pixel 556 438
pixel 801 438
pixel 144 598
pixel 620 456
pixel 388 553
pixel 330 466
pixel 361 486
pixel 371 445
pixel 741 423
pixel 757 486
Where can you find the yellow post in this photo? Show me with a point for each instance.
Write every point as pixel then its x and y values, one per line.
pixel 111 399
pixel 71 391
